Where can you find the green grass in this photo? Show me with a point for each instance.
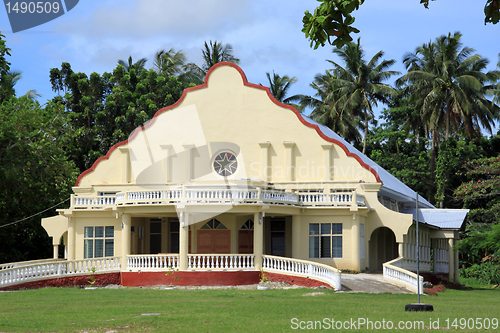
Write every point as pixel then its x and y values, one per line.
pixel 72 309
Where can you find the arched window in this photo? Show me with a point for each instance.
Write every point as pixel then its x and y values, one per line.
pixel 213 224
pixel 248 225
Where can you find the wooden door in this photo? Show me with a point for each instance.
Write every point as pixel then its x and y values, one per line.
pixel 221 241
pixel 214 241
pixel 245 241
pixel 204 241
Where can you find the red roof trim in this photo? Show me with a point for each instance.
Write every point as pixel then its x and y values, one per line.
pixel 248 84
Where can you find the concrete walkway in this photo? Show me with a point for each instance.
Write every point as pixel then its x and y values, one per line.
pixel 370 283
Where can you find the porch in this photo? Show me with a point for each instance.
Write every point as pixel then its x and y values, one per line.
pixel 208 269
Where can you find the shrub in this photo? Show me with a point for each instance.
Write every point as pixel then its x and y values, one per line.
pixel 487 272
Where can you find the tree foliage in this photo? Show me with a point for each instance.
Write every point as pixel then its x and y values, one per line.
pixel 215 52
pixel 400 152
pixel 105 109
pixel 481 194
pixel 35 173
pixel 332 20
pixel 6 89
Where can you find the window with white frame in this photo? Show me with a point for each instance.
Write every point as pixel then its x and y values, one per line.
pixel 99 242
pixel 325 240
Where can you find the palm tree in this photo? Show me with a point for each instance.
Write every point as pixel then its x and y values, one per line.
pixel 173 63
pixel 138 65
pixel 325 110
pixel 449 85
pixel 279 86
pixel 215 52
pixel 9 81
pixel 359 84
pixel 169 62
pixel 495 89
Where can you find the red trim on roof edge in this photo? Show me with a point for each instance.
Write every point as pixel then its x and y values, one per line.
pixel 247 84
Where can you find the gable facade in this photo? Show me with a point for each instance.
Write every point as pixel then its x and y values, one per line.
pixel 229 170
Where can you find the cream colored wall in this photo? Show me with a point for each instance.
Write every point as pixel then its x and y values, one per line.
pixel 55 226
pixel 303 248
pixel 227 111
pixel 82 222
pixel 380 216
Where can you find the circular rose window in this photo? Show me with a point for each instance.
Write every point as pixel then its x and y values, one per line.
pixel 225 164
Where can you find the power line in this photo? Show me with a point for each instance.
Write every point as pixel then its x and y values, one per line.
pixel 26 218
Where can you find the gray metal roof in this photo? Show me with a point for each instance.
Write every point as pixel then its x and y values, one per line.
pixel 441 218
pixel 392 187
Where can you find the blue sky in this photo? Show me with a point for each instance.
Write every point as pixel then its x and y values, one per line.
pixel 266 35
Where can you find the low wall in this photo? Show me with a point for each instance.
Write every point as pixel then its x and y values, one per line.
pixel 136 279
pixel 144 279
pixel 79 280
pixel 296 280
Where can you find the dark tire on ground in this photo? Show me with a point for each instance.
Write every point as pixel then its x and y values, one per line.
pixel 419 307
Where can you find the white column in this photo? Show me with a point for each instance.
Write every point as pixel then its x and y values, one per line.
pixel 400 249
pixel 71 238
pixel 258 236
pixel 451 263
pixel 264 162
pixel 166 162
pixel 355 243
pixel 296 236
pixel 56 251
pixel 183 240
pixel 289 165
pixel 125 168
pixel 327 161
pixel 188 162
pixel 126 224
pixel 455 264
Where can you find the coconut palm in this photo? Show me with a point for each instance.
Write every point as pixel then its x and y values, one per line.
pixel 173 63
pixel 359 84
pixel 9 81
pixel 279 86
pixel 215 52
pixel 449 85
pixel 325 110
pixel 169 62
pixel 129 64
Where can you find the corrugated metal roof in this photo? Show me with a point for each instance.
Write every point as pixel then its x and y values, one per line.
pixel 388 181
pixel 441 218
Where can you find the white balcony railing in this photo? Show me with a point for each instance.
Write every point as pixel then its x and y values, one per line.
pixel 303 268
pixel 30 262
pixel 94 201
pixel 220 262
pixel 153 261
pixel 393 270
pixel 218 195
pixel 57 268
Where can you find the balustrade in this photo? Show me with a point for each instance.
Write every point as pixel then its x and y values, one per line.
pixel 220 261
pixel 298 267
pixel 219 196
pixel 153 261
pixel 393 270
pixel 58 268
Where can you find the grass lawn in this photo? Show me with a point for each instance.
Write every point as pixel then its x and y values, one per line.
pixel 136 309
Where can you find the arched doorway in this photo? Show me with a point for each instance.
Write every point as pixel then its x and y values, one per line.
pixel 383 248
